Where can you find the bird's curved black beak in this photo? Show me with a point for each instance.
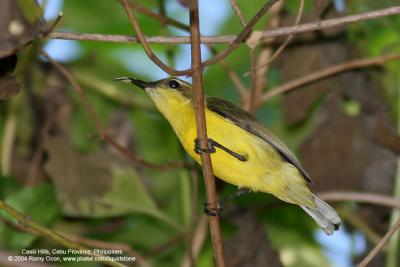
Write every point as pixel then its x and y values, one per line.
pixel 137 82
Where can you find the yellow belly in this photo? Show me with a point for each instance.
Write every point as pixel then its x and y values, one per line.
pixel 262 169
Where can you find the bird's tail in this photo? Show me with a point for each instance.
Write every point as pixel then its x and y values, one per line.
pixel 324 215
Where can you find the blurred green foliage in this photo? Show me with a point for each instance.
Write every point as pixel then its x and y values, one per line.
pixel 154 206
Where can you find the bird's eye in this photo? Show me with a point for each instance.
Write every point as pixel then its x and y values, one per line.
pixel 174 84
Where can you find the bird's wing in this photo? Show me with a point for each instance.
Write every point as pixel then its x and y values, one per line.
pixel 249 123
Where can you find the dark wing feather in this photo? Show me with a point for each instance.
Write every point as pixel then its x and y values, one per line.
pixel 247 122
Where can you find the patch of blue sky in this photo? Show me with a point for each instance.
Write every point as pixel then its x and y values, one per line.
pixel 60 50
pixel 340 5
pixel 52 8
pixel 183 58
pixel 211 21
pixel 213 14
pixel 342 246
pixel 138 63
pixel 63 50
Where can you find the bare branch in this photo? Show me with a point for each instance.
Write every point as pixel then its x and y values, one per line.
pixel 259 76
pixel 370 198
pixel 380 245
pixel 238 12
pixel 284 44
pixel 102 134
pixel 290 37
pixel 356 221
pixel 223 39
pixel 70 78
pixel 167 20
pixel 198 98
pixel 242 35
pixel 327 72
pixel 146 47
pixel 254 81
pixel 166 245
pixel 50 28
pixel 32 227
pixel 242 90
pixel 160 17
pixel 199 237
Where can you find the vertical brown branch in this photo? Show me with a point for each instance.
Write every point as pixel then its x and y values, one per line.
pixel 202 132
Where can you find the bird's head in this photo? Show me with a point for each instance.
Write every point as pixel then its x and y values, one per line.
pixel 166 90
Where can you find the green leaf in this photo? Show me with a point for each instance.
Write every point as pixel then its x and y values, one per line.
pixel 128 193
pixel 98 184
pixel 39 203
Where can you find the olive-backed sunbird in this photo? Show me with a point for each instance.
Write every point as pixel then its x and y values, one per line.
pixel 246 154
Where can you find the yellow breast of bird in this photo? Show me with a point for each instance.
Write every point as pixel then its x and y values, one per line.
pixel 261 170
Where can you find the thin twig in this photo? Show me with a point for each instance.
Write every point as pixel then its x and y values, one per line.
pixel 140 161
pixel 241 88
pixel 209 178
pixel 50 234
pixel 199 237
pixel 161 18
pixel 244 33
pixel 71 79
pixel 370 198
pixel 223 39
pixel 259 76
pixel 193 218
pixel 167 20
pixel 50 28
pixel 238 12
pixel 290 37
pixel 355 221
pixel 327 72
pixel 146 47
pixel 380 245
pixel 102 134
pixel 154 252
pixel 243 92
pixel 254 81
pixel 284 44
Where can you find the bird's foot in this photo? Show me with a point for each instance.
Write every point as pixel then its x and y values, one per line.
pixel 213 211
pixel 210 146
